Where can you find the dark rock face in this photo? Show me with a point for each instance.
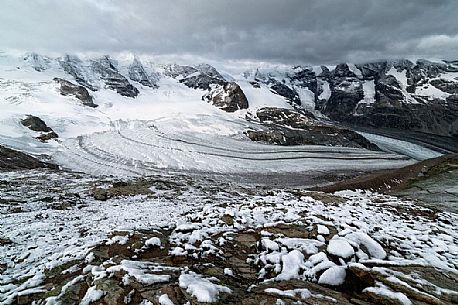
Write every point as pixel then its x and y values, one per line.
pixel 12 160
pixel 394 104
pixel 344 97
pixel 202 76
pixel 44 137
pixel 138 74
pixel 177 71
pixel 112 78
pixel 209 71
pixel 279 87
pixel 305 77
pixel 225 95
pixel 285 91
pixel 81 93
pixel 201 81
pixel 317 135
pixel 373 70
pixel 228 97
pixel 36 124
pixel 287 127
pixel 285 117
pixel 89 74
pixel 445 85
pixel 343 70
pixel 76 68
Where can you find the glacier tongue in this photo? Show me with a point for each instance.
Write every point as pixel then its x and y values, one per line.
pixel 171 127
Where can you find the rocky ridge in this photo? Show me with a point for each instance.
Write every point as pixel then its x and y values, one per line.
pixel 288 127
pixel 400 94
pixel 80 92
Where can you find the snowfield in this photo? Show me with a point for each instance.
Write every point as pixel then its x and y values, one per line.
pixel 160 238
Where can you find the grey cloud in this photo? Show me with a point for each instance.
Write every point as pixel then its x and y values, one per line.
pixel 290 31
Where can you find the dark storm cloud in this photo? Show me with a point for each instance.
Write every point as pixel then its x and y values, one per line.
pixel 316 31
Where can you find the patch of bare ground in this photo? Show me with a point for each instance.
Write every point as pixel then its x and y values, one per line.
pixel 393 180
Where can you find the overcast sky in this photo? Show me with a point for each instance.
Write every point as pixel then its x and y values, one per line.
pixel 289 31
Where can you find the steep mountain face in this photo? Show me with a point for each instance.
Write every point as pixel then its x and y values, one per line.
pixel 138 74
pixel 400 95
pixel 417 96
pixel 420 96
pixel 79 70
pixel 114 80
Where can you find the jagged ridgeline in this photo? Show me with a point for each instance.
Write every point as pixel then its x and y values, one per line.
pixel 401 94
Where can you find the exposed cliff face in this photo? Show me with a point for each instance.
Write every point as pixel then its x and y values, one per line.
pixel 106 69
pixel 400 94
pixel 202 76
pixel 288 127
pixel 138 74
pixel 68 88
pixel 34 123
pixel 228 97
pixel 80 71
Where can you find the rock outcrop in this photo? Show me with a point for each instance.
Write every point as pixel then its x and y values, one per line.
pixel 203 76
pixel 106 69
pixel 34 123
pixel 11 159
pixel 228 97
pixel 225 95
pixel 79 70
pixel 138 74
pixel 416 96
pixel 288 127
pixel 68 88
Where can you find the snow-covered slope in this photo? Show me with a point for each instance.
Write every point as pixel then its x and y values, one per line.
pixel 139 102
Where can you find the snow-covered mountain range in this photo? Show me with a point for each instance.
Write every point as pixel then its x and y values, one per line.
pixel 190 183
pixel 79 96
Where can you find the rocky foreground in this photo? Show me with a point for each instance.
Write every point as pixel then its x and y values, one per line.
pixel 68 238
